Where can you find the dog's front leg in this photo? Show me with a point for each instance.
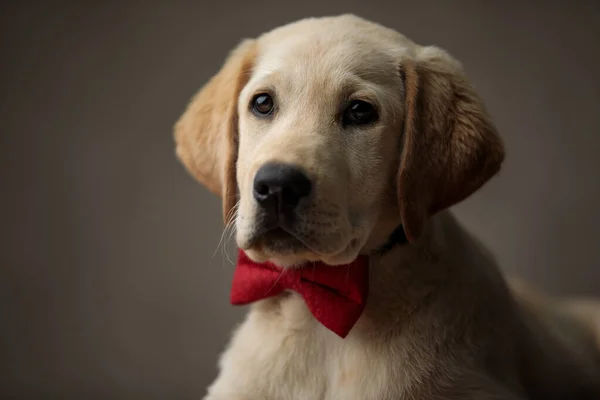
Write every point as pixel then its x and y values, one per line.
pixel 255 365
pixel 479 387
pixel 228 387
pixel 236 380
pixel 230 396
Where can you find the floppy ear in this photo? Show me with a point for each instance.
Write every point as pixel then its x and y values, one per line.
pixel 206 135
pixel 451 148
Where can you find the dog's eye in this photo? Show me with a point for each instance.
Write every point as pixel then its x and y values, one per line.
pixel 359 113
pixel 262 104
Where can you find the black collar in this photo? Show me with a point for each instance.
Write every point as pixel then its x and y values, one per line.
pixel 396 238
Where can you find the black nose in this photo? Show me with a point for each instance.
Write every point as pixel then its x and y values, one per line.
pixel 278 188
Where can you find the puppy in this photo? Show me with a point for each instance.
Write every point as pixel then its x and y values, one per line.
pixel 336 139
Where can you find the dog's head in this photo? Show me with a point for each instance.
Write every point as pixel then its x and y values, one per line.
pixel 319 130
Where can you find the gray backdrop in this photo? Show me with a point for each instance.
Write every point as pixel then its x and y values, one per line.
pixel 108 284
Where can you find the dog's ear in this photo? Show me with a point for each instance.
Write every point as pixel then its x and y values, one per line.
pixel 206 134
pixel 451 148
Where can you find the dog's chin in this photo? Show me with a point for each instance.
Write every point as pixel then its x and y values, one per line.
pixel 287 251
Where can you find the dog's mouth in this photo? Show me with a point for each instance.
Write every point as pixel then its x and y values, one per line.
pixel 296 240
pixel 286 248
pixel 278 240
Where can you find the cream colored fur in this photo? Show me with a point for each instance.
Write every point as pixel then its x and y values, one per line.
pixel 440 323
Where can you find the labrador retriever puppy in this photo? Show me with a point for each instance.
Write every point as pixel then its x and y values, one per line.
pixel 336 139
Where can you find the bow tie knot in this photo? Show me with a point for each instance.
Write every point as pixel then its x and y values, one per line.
pixel 335 295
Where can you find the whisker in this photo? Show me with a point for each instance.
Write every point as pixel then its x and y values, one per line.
pixel 230 236
pixel 276 280
pixel 228 243
pixel 231 216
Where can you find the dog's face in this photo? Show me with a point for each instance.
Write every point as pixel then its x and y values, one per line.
pixel 317 131
pixel 317 135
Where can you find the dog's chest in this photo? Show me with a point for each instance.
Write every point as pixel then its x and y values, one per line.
pixel 282 352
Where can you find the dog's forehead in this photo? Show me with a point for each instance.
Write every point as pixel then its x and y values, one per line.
pixel 332 29
pixel 331 48
pixel 324 58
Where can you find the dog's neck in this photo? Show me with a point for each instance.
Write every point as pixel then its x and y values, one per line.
pixel 403 280
pixel 396 238
pixel 405 276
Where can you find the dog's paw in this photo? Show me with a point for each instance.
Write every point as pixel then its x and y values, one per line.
pixel 226 397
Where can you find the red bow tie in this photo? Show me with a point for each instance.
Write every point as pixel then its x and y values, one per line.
pixel 335 295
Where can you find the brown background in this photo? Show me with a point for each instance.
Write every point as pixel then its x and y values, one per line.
pixel 108 284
